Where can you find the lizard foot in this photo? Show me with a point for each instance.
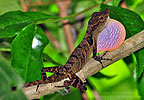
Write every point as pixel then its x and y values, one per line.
pixel 67 90
pixel 76 82
pixel 99 58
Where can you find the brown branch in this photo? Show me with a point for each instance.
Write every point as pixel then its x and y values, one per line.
pixel 39 3
pixel 24 7
pixel 84 96
pixel 96 95
pixel 123 5
pixel 129 46
pixel 52 39
pixel 63 11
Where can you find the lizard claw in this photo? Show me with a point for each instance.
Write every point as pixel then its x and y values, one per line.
pixel 83 88
pixel 67 90
pixel 99 58
pixel 37 87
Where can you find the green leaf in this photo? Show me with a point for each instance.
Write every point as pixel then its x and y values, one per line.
pixel 116 2
pixel 131 21
pixel 141 87
pixel 26 52
pixel 9 5
pixel 140 9
pixel 47 58
pixel 54 54
pixel 4 47
pixel 118 69
pixel 9 80
pixel 13 22
pixel 140 62
pixel 100 75
pixel 125 90
pixel 73 95
pixel 12 30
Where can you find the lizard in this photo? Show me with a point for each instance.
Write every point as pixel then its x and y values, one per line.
pixel 103 34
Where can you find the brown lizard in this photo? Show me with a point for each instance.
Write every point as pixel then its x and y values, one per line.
pixel 98 25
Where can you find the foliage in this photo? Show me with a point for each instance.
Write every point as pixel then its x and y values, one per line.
pixel 25 47
pixel 26 52
pixel 10 83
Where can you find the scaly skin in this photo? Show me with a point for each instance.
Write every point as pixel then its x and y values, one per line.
pixel 98 22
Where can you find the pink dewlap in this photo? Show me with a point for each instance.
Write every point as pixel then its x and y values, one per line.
pixel 111 37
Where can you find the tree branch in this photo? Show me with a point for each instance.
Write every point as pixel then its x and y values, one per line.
pixel 129 46
pixel 63 12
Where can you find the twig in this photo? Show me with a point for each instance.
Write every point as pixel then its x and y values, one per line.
pixel 131 45
pixel 39 3
pixel 52 39
pixel 84 96
pixel 23 6
pixel 96 95
pixel 63 11
pixel 123 5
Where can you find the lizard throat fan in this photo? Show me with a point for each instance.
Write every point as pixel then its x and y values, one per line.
pixel 111 37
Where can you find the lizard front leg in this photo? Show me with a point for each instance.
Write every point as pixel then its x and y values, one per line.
pixel 99 58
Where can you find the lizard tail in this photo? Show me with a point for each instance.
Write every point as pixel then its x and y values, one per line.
pixel 33 83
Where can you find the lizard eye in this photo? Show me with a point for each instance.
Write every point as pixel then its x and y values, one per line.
pixel 101 18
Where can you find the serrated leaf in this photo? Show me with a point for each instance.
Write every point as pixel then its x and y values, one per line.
pixel 9 79
pixel 131 21
pixel 26 52
pixel 13 22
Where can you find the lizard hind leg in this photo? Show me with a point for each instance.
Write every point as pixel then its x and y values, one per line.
pixel 52 78
pixel 74 81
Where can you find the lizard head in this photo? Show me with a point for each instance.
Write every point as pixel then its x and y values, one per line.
pixel 98 20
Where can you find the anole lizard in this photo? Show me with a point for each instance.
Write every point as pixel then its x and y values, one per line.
pixel 103 34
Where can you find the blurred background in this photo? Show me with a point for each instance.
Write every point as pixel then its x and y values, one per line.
pixel 119 81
